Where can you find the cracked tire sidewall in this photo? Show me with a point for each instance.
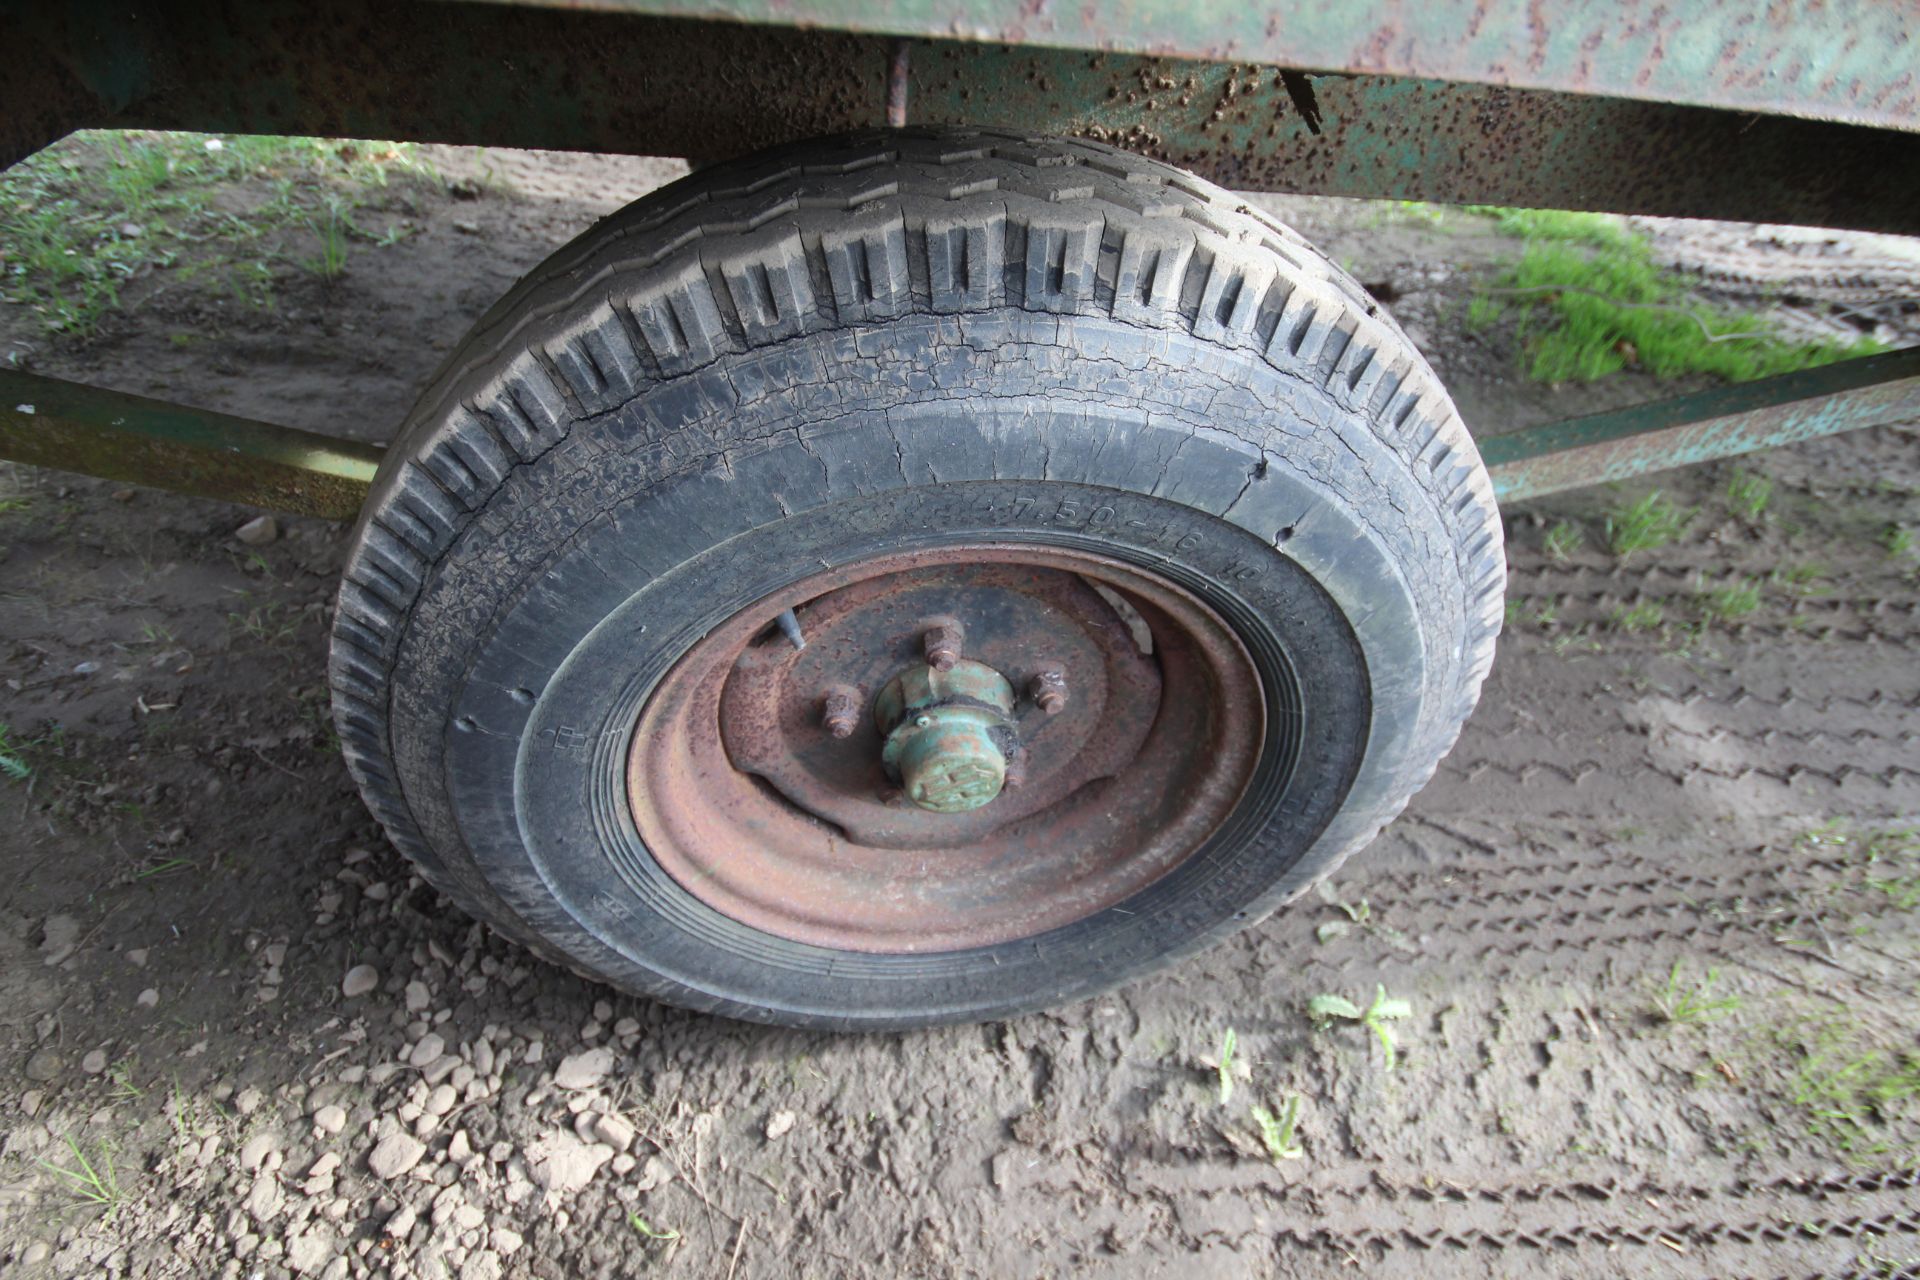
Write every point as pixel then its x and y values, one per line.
pixel 547 485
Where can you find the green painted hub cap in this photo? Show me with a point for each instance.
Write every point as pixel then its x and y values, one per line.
pixel 944 731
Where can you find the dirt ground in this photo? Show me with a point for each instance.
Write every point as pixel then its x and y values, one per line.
pixel 1657 920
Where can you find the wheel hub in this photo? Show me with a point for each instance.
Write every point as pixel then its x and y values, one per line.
pixel 948 734
pixel 943 749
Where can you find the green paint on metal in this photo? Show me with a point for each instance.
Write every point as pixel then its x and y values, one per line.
pixel 1855 61
pixel 46 422
pixel 947 759
pixel 1252 127
pixel 1721 423
pixel 651 85
pixel 943 731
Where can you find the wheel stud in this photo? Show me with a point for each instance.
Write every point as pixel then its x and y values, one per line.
pixel 840 711
pixel 1048 689
pixel 942 642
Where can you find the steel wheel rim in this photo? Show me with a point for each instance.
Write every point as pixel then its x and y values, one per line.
pixel 748 801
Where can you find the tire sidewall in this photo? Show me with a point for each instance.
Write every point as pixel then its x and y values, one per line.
pixel 607 556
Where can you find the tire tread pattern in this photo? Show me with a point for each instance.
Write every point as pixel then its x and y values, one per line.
pixel 850 232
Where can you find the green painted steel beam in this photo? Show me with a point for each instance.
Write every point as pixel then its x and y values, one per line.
pixel 67 426
pixel 495 75
pixel 1722 423
pixel 47 422
pixel 1855 61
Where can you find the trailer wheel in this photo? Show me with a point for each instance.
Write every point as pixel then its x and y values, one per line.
pixel 911 578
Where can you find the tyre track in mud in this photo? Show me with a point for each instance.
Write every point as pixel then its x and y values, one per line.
pixel 1809 1224
pixel 1613 809
pixel 1605 856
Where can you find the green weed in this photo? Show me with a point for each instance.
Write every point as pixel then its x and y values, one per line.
pixel 1681 1002
pixel 650 1231
pixel 120 1074
pixel 1735 600
pixel 1652 522
pixel 1223 1065
pixel 1358 915
pixel 1277 1132
pixel 1563 540
pixel 1602 230
pixel 1484 312
pixel 1384 1009
pixel 1748 494
pixel 1543 613
pixel 92 1181
pixel 1897 539
pixel 1896 852
pixel 331 264
pixel 163 867
pixel 1644 616
pixel 1593 302
pixel 100 209
pixel 13 761
pixel 1852 1090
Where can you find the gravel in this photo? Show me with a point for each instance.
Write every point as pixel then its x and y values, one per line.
pixel 584 1070
pixel 360 980
pixel 395 1154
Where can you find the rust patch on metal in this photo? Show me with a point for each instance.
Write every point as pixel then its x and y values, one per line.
pixel 754 806
pixel 649 85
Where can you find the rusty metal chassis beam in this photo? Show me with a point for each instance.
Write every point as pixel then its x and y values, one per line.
pixel 1846 60
pixel 64 425
pixel 1724 422
pixel 561 79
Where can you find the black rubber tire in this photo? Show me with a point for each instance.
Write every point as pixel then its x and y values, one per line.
pixel 851 345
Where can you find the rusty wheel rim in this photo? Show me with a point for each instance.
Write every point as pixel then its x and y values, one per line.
pixel 758 776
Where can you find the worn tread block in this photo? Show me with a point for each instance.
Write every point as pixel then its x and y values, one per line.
pixel 966 260
pixel 679 320
pixel 596 362
pixel 1237 282
pixel 1061 260
pixel 1151 272
pixel 770 289
pixel 867 264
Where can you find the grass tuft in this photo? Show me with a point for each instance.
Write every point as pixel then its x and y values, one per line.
pixel 331 263
pixel 1563 540
pixel 1592 301
pixel 1854 1092
pixel 1748 494
pixel 1644 616
pixel 101 210
pixel 92 1181
pixel 1682 1002
pixel 1652 522
pixel 1735 600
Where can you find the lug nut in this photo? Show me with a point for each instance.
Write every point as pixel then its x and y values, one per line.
pixel 1048 689
pixel 840 711
pixel 1016 770
pixel 942 643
